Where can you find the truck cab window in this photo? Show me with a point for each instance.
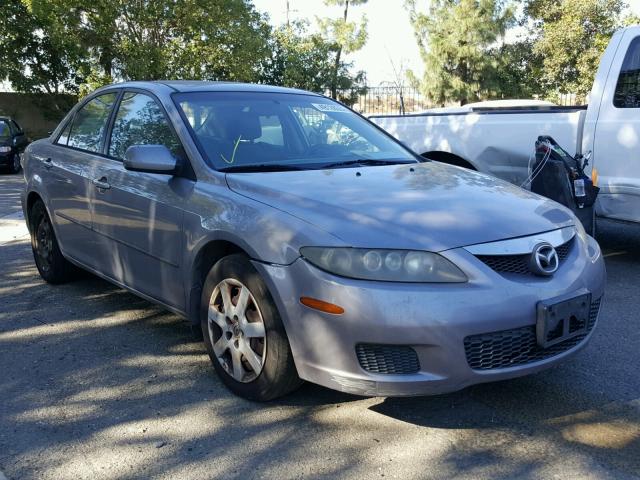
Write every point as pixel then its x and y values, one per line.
pixel 627 93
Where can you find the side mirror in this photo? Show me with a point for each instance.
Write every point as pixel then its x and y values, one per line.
pixel 150 159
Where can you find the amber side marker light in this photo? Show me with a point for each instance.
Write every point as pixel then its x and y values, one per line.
pixel 322 306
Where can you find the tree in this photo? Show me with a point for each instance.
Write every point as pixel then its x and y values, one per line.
pixel 518 70
pixel 455 38
pixel 570 37
pixel 298 59
pixel 153 39
pixel 307 61
pixel 347 36
pixel 31 59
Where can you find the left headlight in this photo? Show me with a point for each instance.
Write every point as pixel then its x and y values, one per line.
pixel 4 149
pixel 384 265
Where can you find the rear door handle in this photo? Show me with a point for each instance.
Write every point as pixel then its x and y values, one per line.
pixel 47 163
pixel 102 183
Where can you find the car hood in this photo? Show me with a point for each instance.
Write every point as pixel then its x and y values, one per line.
pixel 428 206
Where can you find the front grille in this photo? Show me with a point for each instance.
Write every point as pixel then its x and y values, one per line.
pixel 519 264
pixel 390 359
pixel 518 346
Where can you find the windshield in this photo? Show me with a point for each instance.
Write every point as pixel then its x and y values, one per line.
pixel 5 133
pixel 266 131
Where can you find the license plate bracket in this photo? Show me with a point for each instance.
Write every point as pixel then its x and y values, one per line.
pixel 562 318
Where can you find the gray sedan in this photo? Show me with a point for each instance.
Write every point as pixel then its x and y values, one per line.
pixel 308 244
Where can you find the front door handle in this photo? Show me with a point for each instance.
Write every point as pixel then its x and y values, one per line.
pixel 102 183
pixel 48 163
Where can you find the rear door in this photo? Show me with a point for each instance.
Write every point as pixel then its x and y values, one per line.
pixel 66 166
pixel 139 215
pixel 616 149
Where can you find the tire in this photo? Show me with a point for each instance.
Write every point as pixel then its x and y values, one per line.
pixel 15 166
pixel 52 266
pixel 248 347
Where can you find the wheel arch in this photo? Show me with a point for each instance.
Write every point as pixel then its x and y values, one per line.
pixel 32 198
pixel 207 255
pixel 449 158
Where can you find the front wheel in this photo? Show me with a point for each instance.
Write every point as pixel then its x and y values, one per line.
pixel 243 332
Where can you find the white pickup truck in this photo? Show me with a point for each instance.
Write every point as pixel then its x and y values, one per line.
pixel 500 141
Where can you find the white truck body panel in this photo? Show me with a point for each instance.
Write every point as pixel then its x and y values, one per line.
pixel 613 135
pixel 501 141
pixel 497 143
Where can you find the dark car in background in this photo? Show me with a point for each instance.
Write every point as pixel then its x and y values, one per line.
pixel 12 143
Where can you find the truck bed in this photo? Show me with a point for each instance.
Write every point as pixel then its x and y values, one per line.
pixel 498 141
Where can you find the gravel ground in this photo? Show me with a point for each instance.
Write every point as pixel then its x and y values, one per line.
pixel 96 383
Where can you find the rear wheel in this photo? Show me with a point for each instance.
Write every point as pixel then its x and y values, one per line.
pixel 52 266
pixel 243 332
pixel 15 165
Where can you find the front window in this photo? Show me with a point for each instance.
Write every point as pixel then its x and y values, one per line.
pixel 5 132
pixel 246 130
pixel 140 121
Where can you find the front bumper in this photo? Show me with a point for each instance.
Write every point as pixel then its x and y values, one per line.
pixel 433 319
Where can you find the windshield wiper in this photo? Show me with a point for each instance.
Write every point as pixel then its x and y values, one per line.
pixel 366 162
pixel 260 167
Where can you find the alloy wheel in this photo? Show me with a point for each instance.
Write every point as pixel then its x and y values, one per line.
pixel 236 330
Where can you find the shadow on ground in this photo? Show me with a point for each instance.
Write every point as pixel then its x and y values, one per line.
pixel 97 383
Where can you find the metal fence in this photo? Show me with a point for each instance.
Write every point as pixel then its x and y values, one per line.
pixel 389 100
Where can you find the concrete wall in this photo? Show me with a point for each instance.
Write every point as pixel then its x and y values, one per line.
pixel 38 114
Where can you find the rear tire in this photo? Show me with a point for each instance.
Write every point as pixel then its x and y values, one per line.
pixel 15 165
pixel 244 334
pixel 52 266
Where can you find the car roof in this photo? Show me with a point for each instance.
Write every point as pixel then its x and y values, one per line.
pixel 208 86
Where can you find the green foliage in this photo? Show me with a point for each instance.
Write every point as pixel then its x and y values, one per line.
pixel 154 39
pixel 298 59
pixel 518 70
pixel 303 60
pixel 570 37
pixel 455 39
pixel 32 59
pixel 345 35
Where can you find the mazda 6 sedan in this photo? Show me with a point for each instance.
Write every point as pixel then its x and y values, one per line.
pixel 306 243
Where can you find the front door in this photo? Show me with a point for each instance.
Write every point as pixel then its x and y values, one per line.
pixel 617 138
pixel 139 215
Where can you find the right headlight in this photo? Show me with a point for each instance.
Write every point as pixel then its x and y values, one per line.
pixel 384 265
pixel 5 149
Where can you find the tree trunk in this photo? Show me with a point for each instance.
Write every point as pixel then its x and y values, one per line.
pixel 336 67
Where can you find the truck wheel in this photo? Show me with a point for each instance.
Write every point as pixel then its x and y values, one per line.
pixel 53 267
pixel 243 332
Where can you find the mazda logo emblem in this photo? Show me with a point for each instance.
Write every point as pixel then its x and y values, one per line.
pixel 544 260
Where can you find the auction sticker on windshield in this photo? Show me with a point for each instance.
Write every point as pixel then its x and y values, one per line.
pixel 330 107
